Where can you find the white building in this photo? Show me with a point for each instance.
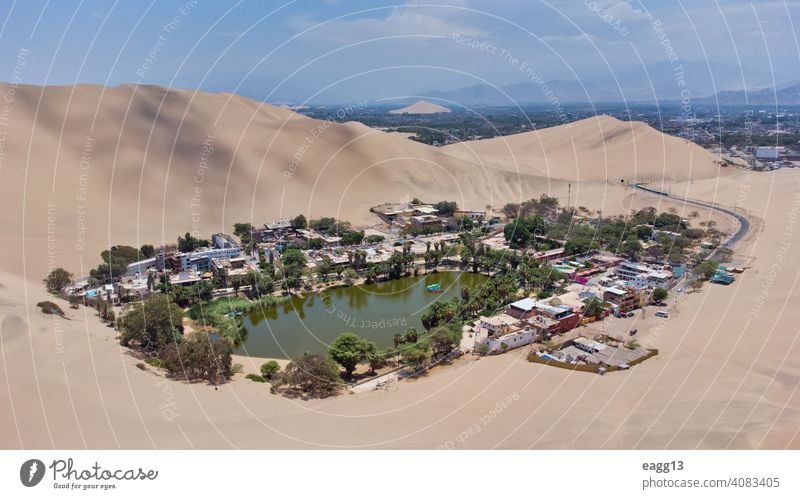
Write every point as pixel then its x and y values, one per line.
pixel 141 266
pixel 498 324
pixel 641 276
pixel 514 339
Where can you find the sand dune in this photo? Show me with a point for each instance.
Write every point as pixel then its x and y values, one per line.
pixel 132 165
pixel 142 164
pixel 724 379
pixel 86 167
pixel 421 107
pixel 599 148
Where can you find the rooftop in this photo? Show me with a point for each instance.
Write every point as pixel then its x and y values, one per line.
pixel 525 304
pixel 500 320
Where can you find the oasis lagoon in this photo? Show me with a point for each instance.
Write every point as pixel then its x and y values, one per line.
pixel 374 311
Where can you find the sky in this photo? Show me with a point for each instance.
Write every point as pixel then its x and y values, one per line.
pixel 338 51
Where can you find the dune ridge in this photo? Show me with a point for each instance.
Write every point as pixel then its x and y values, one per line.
pixel 598 148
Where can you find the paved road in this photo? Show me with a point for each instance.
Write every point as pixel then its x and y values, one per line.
pixel 744 223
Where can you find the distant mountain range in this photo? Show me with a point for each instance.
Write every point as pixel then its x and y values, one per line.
pixel 788 96
pixel 663 82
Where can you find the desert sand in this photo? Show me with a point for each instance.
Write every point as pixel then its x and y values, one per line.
pixel 599 148
pixel 421 107
pixel 726 377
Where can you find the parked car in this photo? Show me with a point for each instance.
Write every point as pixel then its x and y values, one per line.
pixel 663 314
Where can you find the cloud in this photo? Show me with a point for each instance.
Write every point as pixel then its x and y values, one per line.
pixel 570 39
pixel 402 20
pixel 623 11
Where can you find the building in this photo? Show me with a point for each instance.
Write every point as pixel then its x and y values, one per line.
pixel 421 220
pixel 141 266
pixel 185 278
pixel 201 259
pixel 545 326
pixel 230 267
pixel 391 212
pixel 476 215
pixel 624 299
pixel 569 299
pixel 499 324
pixel 522 309
pixel 550 255
pixel 641 276
pixel 563 315
pixel 769 153
pixel 423 209
pixel 221 240
pixel 272 232
pixel 514 339
pixel 136 286
pixel 658 232
pixel 588 346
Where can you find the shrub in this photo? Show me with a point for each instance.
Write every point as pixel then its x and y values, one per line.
pixel 50 308
pixel 155 362
pixel 632 345
pixel 256 378
pixel 142 366
pixel 236 369
pixel 270 368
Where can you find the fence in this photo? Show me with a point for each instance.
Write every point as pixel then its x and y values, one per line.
pixel 589 368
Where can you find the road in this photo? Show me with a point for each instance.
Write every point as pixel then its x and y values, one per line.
pixel 744 223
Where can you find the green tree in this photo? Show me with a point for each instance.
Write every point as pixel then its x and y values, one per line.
pixel 444 339
pixel 446 208
pixel 293 256
pixel 152 324
pixel 203 356
pixel 57 280
pixel 349 275
pixel 594 308
pixel 347 350
pixel 659 295
pixel 416 355
pixel 310 375
pixel 706 269
pixel 631 247
pixel 243 231
pixel 147 251
pixel 189 243
pixel 270 369
pixel 375 357
pixel 299 222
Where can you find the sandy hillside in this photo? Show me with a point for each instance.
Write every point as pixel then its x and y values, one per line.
pixel 131 165
pixel 726 377
pixel 421 107
pixel 87 167
pixel 599 148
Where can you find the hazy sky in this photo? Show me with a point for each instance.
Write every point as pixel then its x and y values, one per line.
pixel 348 50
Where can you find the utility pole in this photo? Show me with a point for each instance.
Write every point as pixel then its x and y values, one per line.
pixel 569 194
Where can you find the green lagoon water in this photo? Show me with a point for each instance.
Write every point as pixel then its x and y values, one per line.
pixel 375 311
